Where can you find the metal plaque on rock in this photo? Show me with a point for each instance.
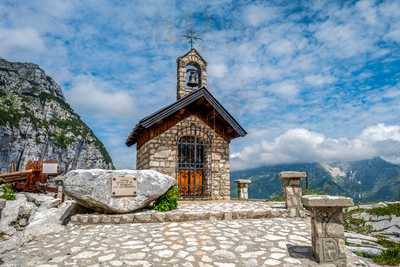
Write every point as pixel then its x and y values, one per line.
pixel 124 186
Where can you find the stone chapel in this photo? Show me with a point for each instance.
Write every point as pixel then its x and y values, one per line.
pixel 189 139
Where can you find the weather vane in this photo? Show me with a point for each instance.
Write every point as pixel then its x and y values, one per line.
pixel 191 36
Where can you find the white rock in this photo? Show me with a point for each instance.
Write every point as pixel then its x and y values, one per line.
pixel 92 189
pixel 107 257
pixel 225 254
pixel 277 256
pixel 116 263
pixel 360 236
pixel 15 215
pixel 46 220
pixel 165 253
pixel 272 262
pixel 224 264
pixel 368 250
pixel 135 256
pixel 85 255
pixel 292 260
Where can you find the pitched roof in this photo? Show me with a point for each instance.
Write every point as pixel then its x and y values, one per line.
pixel 167 111
pixel 196 52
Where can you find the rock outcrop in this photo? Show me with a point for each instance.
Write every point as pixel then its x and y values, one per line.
pixel 93 189
pixel 373 229
pixel 31 215
pixel 37 123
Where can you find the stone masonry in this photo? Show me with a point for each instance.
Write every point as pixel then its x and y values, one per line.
pixel 292 192
pixel 160 154
pixel 327 230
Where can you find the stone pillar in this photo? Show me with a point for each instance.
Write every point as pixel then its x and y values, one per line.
pixel 243 188
pixel 292 192
pixel 2 205
pixel 327 230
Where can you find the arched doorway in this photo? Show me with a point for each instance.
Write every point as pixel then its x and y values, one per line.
pixel 191 166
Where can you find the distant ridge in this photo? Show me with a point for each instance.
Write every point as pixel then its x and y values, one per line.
pixel 364 180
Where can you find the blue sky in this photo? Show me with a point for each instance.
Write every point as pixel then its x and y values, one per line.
pixel 309 80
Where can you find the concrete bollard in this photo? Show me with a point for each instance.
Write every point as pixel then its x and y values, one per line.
pixel 327 230
pixel 292 192
pixel 243 188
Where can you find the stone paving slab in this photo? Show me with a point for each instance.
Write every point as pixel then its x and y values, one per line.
pixel 192 211
pixel 249 243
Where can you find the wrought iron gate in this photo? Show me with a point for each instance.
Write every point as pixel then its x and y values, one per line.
pixel 193 173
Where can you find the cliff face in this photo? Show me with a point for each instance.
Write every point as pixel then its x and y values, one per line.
pixel 37 123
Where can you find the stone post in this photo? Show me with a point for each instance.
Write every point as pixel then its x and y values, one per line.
pixel 2 205
pixel 292 192
pixel 327 230
pixel 243 188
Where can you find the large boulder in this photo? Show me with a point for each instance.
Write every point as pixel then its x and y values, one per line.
pixel 93 189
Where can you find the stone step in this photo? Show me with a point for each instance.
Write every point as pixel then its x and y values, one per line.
pixel 177 216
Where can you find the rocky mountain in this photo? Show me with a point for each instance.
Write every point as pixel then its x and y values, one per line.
pixel 36 122
pixel 365 180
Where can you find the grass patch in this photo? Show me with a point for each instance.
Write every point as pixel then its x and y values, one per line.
pixel 168 201
pixel 7 192
pixel 390 209
pixel 357 225
pixel 278 198
pixel 313 192
pixel 390 256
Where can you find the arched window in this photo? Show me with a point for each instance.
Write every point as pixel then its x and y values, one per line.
pixel 191 166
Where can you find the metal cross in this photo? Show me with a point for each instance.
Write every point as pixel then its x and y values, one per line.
pixel 191 36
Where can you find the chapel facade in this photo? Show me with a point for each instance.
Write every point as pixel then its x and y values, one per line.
pixel 189 139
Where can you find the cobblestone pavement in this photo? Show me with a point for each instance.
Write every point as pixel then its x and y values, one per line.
pixel 230 205
pixel 263 242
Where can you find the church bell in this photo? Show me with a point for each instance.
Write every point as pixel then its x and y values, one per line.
pixel 193 80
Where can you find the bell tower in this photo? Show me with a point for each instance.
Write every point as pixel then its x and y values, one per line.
pixel 191 73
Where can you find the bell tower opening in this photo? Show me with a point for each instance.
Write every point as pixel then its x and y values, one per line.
pixel 192 79
pixel 191 73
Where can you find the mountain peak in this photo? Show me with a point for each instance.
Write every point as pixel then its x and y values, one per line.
pixel 37 123
pixel 26 79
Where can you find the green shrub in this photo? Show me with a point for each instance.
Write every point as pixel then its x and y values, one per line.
pixel 7 192
pixel 168 201
pixel 278 198
pixel 390 256
pixel 312 192
pixel 357 225
pixel 390 209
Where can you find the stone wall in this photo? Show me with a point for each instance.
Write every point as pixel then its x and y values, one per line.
pixel 160 153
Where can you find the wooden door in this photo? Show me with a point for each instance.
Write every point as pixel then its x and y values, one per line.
pixel 190 182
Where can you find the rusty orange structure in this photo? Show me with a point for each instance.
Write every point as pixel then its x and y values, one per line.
pixel 32 179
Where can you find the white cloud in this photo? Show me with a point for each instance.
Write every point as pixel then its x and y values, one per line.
pixel 257 14
pixel 281 48
pixel 319 79
pixel 285 89
pixel 392 92
pixel 98 99
pixel 381 132
pixel 217 70
pixel 302 145
pixel 394 33
pixel 17 39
